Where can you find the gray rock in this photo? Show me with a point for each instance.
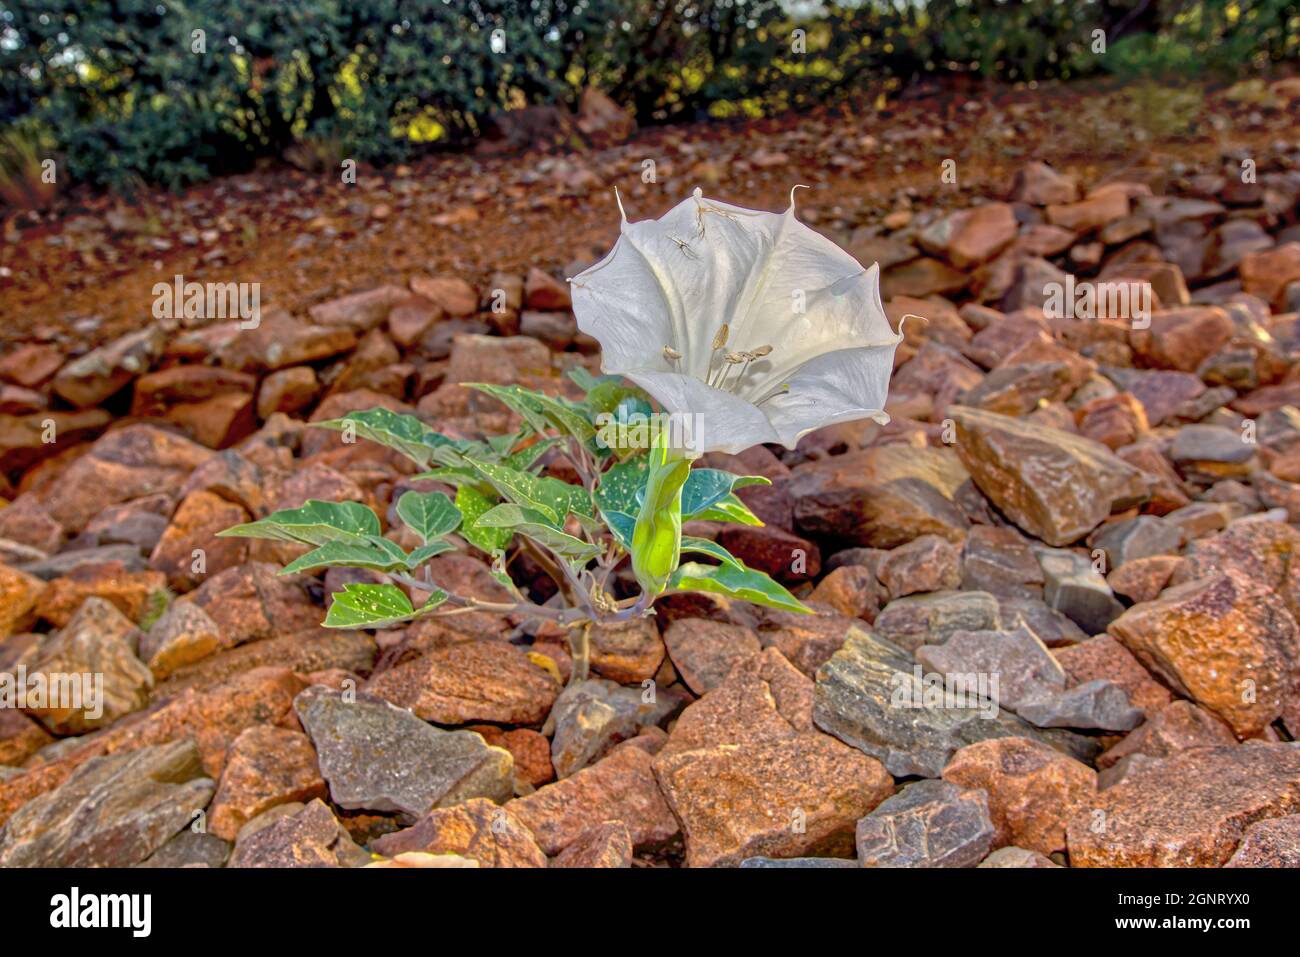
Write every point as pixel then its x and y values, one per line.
pixel 113 811
pixel 927 824
pixel 931 618
pixel 190 849
pixel 1000 561
pixel 1209 443
pixel 871 695
pixel 378 757
pixel 592 716
pixel 296 835
pixel 1052 628
pixel 1098 705
pixel 1017 857
pixel 1076 589
pixel 1133 538
pixel 56 566
pixel 1021 663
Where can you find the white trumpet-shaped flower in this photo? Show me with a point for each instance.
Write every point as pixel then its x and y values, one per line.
pixel 746 324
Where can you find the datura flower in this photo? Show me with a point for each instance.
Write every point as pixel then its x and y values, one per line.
pixel 746 326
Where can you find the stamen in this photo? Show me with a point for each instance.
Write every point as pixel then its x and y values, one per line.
pixel 671 354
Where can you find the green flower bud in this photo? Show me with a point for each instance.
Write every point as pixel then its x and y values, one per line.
pixel 657 537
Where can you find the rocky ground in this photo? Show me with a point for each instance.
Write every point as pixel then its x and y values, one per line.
pixel 1101 513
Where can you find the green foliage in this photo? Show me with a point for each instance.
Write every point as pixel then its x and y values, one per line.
pixel 127 93
pixel 375 606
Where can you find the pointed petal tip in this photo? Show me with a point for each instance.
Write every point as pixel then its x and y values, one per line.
pixel 792 189
pixel 619 199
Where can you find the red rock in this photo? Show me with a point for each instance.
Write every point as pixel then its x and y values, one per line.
pixel 927 563
pixel 470 681
pixel 189 550
pixel 265 766
pixel 530 749
pixel 704 652
pixel 253 601
pixel 1191 810
pixel 28 439
pixel 24 520
pixel 1271 843
pixel 452 294
pixel 619 787
pixel 1091 213
pixel 131 592
pixel 20 593
pixel 478 829
pixel 1142 579
pixel 287 390
pixel 101 372
pixel 1182 339
pixel 359 311
pixel 605 845
pixel 1176 727
pixel 628 653
pixel 1040 185
pixel 1266 274
pixel 20 737
pixel 982 233
pixel 1033 789
pixel 156 391
pixel 852 590
pixel 30 365
pixel 1227 642
pixel 1114 421
pixel 542 291
pixel 785 556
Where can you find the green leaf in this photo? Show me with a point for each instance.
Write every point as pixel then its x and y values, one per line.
pixel 473 504
pixel 375 606
pixel 314 523
pixel 707 487
pixel 371 552
pixel 704 546
pixel 622 526
pixel 405 433
pixel 550 496
pixel 621 486
pixel 743 583
pixel 422 554
pixel 730 509
pixel 540 410
pixel 429 514
pixel 536 526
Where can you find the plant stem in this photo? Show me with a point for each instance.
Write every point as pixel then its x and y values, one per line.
pixel 580 652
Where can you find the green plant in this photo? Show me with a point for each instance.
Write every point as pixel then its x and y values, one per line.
pixel 508 501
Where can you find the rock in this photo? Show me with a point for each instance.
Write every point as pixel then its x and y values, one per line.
pixel 30 365
pixel 602 120
pixel 96 646
pixel 1104 658
pixel 1271 843
pixel 1000 562
pixel 1225 641
pixel 627 653
pixel 870 695
pixel 1017 857
pixel 470 681
pixel 605 845
pixel 452 294
pixel 1190 810
pixel 1032 789
pixel 981 233
pixel 921 277
pixel 1040 185
pixel 19 595
pixel 20 737
pixel 24 438
pixel 530 749
pixel 704 652
pixel 1173 728
pixel 184 634
pixel 102 372
pixel 287 390
pixel 1136 538
pixel 1143 579
pixel 505 360
pixel 358 312
pixel 1266 274
pixel 190 550
pixel 190 849
pixel 933 618
pixel 253 601
pixel 1096 705
pixel 111 812
pixel 477 829
pixel 541 291
pixel 620 787
pixel 1073 586
pixel 265 766
pixel 928 563
pixel 1054 485
pixel 592 716
pixel 1114 421
pixel 292 835
pixel 1091 213
pixel 281 341
pixel 927 824
pixel 1017 661
pixel 782 555
pixel 132 593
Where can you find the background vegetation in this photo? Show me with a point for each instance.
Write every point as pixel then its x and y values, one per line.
pixel 117 89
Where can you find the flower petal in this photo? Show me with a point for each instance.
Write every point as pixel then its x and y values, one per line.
pixel 834 387
pixel 710 420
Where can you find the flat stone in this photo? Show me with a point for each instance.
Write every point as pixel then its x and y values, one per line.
pixel 470 681
pixel 933 618
pixel 816 863
pixel 1017 857
pixel 1097 705
pixel 1104 658
pixel 1135 538
pixel 852 590
pixel 265 766
pixel 927 824
pixel 190 550
pixel 1017 660
pixel 1142 579
pixel 704 652
pixel 477 829
pixel 872 696
pixel 133 593
pixel 1032 789
pixel 184 634
pixel 111 812
pixel 1054 485
pixel 1176 727
pixel 190 848
pixel 999 561
pixel 378 757
pixel 1073 586
pixel 619 787
pixel 928 563
pixel 254 601
pixel 1189 810
pixel 101 372
pixel 627 653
